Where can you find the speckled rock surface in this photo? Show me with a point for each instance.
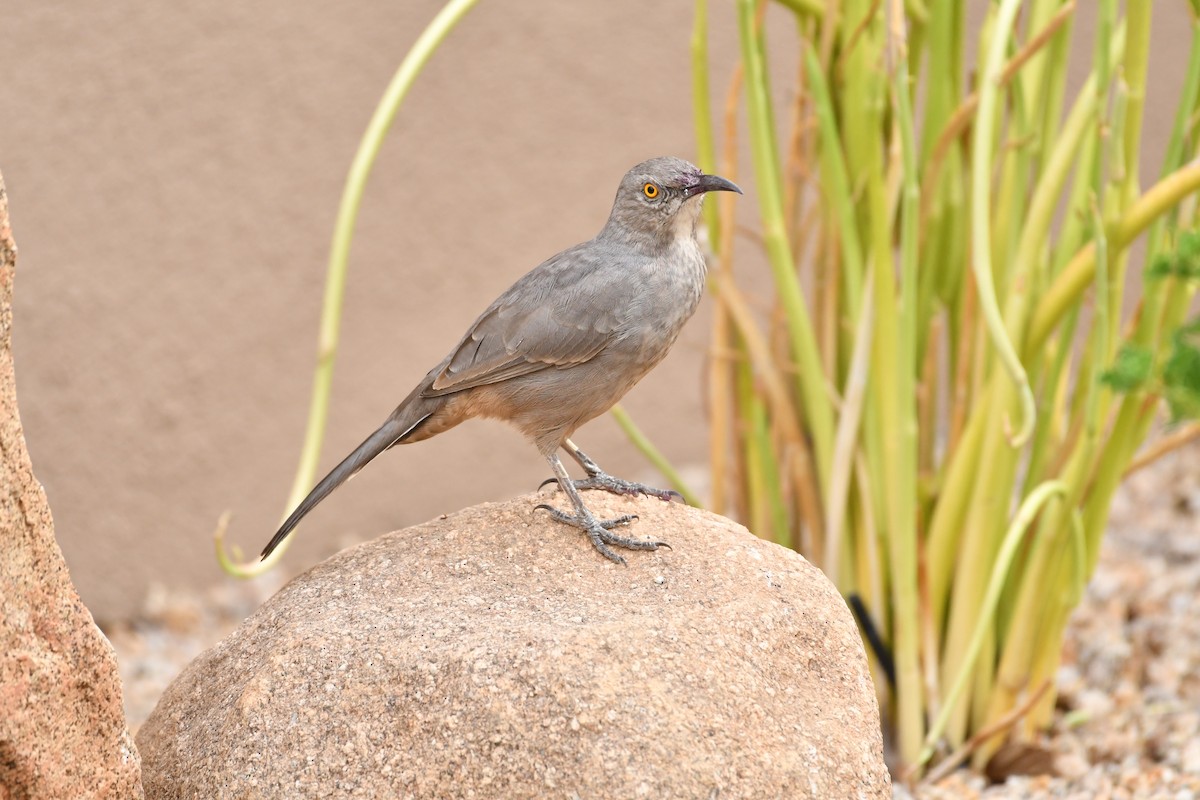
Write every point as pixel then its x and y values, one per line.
pixel 62 724
pixel 493 654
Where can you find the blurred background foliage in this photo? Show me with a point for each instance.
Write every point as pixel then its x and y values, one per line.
pixel 945 390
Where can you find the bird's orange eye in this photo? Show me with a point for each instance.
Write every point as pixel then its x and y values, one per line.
pixel 650 190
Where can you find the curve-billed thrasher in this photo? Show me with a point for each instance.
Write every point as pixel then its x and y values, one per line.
pixel 565 342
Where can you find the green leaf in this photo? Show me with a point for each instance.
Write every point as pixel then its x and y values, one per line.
pixel 1183 262
pixel 1130 370
pixel 1187 254
pixel 1181 374
pixel 1160 267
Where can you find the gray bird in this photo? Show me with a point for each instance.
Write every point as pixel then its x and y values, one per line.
pixel 566 342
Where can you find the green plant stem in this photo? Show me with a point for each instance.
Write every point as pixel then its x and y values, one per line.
pixel 1134 68
pixel 1172 160
pixel 706 151
pixel 810 379
pixel 981 155
pixel 901 456
pixel 335 278
pixel 946 527
pixel 720 376
pixel 755 492
pixel 812 8
pixel 1126 127
pixel 1049 186
pixel 846 441
pixel 836 184
pixel 990 496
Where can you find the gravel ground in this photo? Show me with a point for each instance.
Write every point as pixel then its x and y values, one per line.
pixel 1128 724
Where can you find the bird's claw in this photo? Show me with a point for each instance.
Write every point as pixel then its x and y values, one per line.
pixel 619 486
pixel 608 483
pixel 598 531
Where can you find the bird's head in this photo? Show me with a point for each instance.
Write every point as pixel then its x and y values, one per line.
pixel 659 201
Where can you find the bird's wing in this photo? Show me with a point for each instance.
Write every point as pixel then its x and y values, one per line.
pixel 562 313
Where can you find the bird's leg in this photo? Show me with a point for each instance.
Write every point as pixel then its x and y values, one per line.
pixel 599 479
pixel 597 530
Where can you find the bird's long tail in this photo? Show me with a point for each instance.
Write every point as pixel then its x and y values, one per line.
pixel 396 429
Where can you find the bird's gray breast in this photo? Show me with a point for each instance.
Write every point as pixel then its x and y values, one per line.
pixel 670 288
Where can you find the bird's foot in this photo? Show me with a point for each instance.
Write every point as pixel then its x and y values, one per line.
pixel 598 531
pixel 609 483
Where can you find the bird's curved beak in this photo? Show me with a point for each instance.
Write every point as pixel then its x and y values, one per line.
pixel 711 183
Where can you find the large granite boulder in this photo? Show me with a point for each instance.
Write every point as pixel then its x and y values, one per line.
pixel 62 723
pixel 493 654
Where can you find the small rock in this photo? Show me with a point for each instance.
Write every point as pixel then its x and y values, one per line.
pixel 1189 759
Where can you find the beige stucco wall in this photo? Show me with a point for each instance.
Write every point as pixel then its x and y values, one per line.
pixel 173 172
